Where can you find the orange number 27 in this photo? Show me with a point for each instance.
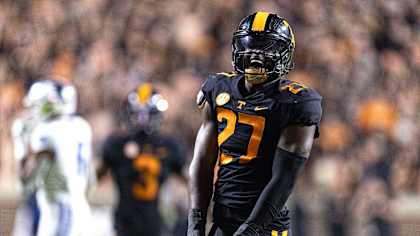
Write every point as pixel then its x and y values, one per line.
pixel 256 122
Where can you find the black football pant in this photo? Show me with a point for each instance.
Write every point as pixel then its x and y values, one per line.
pixel 216 231
pixel 147 223
pixel 227 221
pixel 123 229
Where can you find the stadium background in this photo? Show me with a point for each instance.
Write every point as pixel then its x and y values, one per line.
pixel 363 56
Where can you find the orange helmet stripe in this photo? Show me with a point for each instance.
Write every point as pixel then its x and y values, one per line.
pixel 144 92
pixel 260 20
pixel 291 32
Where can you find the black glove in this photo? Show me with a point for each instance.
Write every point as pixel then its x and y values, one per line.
pixel 281 222
pixel 196 223
pixel 248 229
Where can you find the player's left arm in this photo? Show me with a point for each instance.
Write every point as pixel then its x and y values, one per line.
pixel 292 151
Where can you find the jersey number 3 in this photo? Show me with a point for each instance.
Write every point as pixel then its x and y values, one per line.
pixel 256 122
pixel 148 167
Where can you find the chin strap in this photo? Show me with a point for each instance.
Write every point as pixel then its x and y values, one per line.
pixel 256 78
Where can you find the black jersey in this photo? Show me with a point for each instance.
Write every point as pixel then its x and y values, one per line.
pixel 139 164
pixel 249 128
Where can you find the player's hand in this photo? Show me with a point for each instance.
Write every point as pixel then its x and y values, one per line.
pixel 195 232
pixel 196 223
pixel 247 229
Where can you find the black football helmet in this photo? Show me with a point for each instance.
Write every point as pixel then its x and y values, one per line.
pixel 143 109
pixel 262 47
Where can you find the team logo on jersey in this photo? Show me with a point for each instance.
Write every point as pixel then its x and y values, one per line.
pixel 222 99
pixel 131 149
pixel 260 108
pixel 241 104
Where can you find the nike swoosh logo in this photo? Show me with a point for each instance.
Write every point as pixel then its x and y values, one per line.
pixel 260 108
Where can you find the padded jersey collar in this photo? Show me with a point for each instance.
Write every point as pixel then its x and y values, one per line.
pixel 266 90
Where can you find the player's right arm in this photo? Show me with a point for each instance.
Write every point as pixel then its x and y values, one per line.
pixel 21 149
pixel 201 172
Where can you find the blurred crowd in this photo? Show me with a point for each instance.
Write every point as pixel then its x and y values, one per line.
pixel 363 56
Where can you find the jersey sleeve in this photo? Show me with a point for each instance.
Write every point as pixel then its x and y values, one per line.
pixel 306 113
pixel 304 104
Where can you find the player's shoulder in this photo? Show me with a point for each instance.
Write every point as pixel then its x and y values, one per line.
pixel 114 144
pixel 217 79
pixel 116 139
pixel 304 103
pixel 81 122
pixel 79 119
pixel 79 126
pixel 295 92
pixel 213 85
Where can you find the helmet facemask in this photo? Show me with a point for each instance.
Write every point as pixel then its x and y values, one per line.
pixel 261 57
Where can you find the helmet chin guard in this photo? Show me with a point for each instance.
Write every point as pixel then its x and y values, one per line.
pixel 255 75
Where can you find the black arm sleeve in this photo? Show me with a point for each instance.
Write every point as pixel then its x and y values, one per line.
pixel 286 166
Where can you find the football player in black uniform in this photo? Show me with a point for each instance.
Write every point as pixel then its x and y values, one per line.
pixel 260 126
pixel 140 160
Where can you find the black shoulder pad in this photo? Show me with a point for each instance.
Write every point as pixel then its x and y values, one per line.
pixel 213 82
pixel 205 94
pixel 293 92
pixel 209 83
pixel 112 147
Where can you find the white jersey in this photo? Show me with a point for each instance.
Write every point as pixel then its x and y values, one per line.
pixel 21 132
pixel 69 138
pixel 60 199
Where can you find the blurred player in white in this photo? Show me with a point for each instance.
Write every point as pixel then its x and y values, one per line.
pixel 59 143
